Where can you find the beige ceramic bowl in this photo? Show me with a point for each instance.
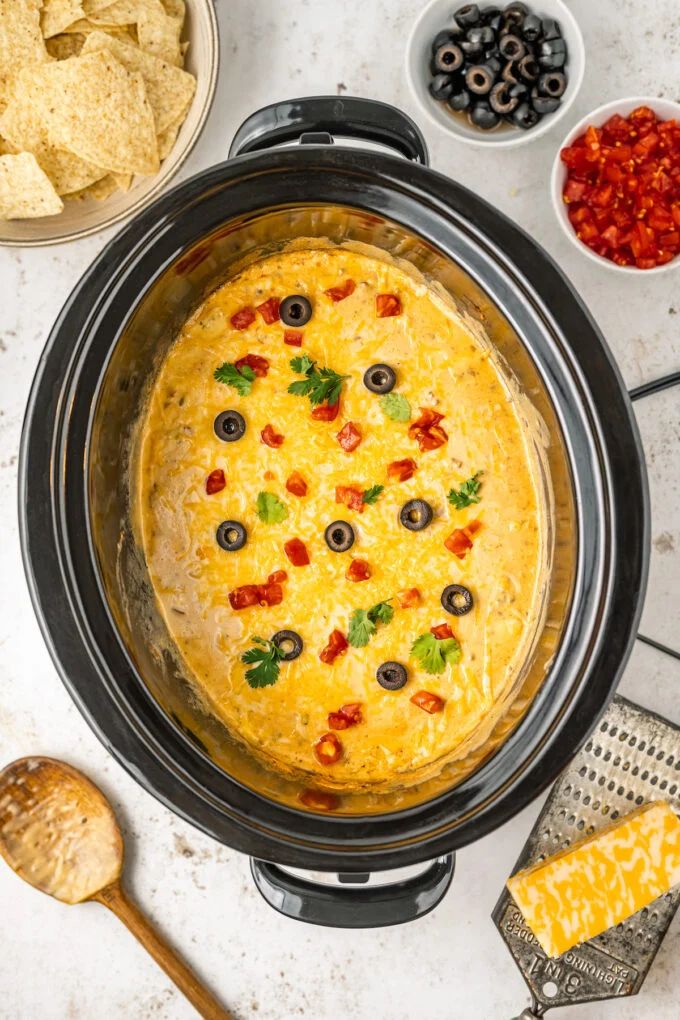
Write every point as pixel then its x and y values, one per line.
pixel 89 216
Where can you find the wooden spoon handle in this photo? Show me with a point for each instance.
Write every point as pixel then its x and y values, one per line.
pixel 114 897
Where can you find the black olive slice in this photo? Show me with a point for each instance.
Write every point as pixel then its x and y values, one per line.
pixel 295 310
pixel 339 536
pixel 516 10
pixel 510 73
pixel 519 91
pixel 460 101
pixel 392 676
pixel 457 599
pixel 229 426
pixel 531 28
pixel 479 79
pixel 543 104
pixel 528 68
pixel 552 61
pixel 525 117
pixel 380 378
pixel 444 37
pixel 501 99
pixel 416 514
pixel 551 28
pixel 471 49
pixel 511 47
pixel 467 16
pixel 552 83
pixel 441 86
pixel 496 23
pixel 231 536
pixel 448 58
pixel 489 14
pixel 482 116
pixel 289 643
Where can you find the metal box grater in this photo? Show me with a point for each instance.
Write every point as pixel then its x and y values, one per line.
pixel 633 757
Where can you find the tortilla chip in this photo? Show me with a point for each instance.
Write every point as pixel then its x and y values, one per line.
pixel 158 33
pixel 175 9
pixel 65 45
pixel 57 15
pixel 25 190
pixel 169 89
pixel 24 128
pixel 100 190
pixel 123 181
pixel 102 114
pixel 167 138
pixel 115 12
pixel 21 40
pixel 85 27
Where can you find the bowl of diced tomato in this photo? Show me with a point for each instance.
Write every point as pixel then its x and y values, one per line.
pixel 616 185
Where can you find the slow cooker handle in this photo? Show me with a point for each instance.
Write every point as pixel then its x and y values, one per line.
pixel 374 906
pixel 322 117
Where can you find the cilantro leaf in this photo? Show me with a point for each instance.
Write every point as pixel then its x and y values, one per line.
pixel 434 653
pixel 361 628
pixel 363 623
pixel 303 364
pixel 372 495
pixel 240 378
pixel 270 509
pixel 264 657
pixel 467 494
pixel 396 406
pixel 381 612
pixel 321 385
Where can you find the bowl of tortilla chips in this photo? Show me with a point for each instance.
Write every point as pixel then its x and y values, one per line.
pixel 101 101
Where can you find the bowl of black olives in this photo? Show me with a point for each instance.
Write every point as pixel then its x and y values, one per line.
pixel 492 74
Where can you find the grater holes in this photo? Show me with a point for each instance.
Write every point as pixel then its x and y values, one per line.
pixel 654 780
pixel 617 760
pixel 669 760
pixel 592 775
pixel 661 755
pixel 636 770
pixel 589 746
pixel 603 728
pixel 639 800
pixel 623 735
pixel 615 815
pixel 598 751
pixel 626 766
pixel 607 755
pixel 633 741
pixel 642 745
pixel 583 771
pixel 614 730
pixel 663 784
pixel 629 795
pixel 651 750
pixel 645 775
pixel 586 800
pixel 580 825
pixel 673 790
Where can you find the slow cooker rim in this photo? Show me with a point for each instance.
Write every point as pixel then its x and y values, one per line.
pixel 119 243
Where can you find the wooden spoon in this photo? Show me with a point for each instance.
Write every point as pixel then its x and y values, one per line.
pixel 59 833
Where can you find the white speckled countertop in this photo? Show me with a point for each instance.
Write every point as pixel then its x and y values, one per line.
pixel 78 963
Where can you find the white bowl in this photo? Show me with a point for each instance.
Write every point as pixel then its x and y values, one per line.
pixel 89 216
pixel 438 14
pixel 665 109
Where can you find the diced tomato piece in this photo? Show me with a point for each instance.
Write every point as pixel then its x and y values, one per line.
pixel 442 631
pixel 271 594
pixel 245 596
pixel 617 154
pixel 401 470
pixel 292 337
pixel 670 240
pixel 408 597
pixel 269 310
pixel 326 412
pixel 460 540
pixel 296 551
pixel 675 212
pixel 328 749
pixel 616 127
pixel 602 196
pixel 659 219
pixel 358 570
pixel 337 644
pixel 348 715
pixel 643 240
pixel 579 214
pixel 387 305
pixel 215 482
pixel 427 430
pixel 319 800
pixel 429 702
pixel 270 437
pixel 614 173
pixel 277 577
pixel 574 190
pixel 243 318
pixel 611 236
pixel 592 137
pixel 352 497
pixel 296 484
pixel 260 366
pixel 587 232
pixel 341 291
pixel 349 437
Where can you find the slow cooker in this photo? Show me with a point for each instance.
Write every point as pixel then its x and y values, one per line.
pixel 88 578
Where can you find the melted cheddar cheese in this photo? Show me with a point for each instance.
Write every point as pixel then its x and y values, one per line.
pixel 440 364
pixel 601 881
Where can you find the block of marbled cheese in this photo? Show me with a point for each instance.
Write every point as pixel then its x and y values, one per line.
pixel 600 881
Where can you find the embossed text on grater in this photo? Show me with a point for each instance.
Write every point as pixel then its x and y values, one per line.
pixel 632 758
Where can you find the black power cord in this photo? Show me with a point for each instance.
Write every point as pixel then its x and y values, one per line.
pixel 648 390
